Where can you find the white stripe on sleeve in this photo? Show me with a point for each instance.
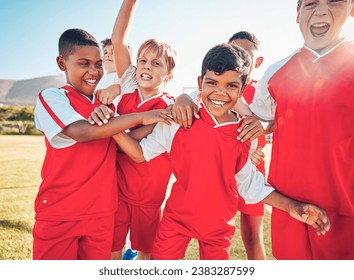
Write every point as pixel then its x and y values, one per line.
pixel 159 141
pixel 251 184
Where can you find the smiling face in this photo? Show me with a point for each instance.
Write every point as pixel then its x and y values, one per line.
pixel 220 92
pixel 152 72
pixel 83 68
pixel 321 22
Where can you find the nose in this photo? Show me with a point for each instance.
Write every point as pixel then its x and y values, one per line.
pixel 93 70
pixel 322 8
pixel 147 65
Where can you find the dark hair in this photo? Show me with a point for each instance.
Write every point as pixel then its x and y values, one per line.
pixel 75 37
pixel 225 57
pixel 246 35
pixel 106 42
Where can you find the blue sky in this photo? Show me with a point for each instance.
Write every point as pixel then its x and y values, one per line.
pixel 29 30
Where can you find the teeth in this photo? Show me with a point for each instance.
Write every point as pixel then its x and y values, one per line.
pixel 91 81
pixel 319 25
pixel 218 103
pixel 146 76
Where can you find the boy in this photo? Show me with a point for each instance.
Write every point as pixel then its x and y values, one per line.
pixel 310 97
pixel 76 201
pixel 251 217
pixel 140 200
pixel 203 200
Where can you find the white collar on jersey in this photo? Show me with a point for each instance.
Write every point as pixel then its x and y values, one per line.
pixel 318 56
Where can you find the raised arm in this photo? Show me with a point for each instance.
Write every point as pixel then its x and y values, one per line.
pixel 120 34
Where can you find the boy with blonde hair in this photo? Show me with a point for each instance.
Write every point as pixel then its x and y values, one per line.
pixel 142 188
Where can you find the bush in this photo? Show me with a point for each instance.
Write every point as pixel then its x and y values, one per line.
pixel 17 120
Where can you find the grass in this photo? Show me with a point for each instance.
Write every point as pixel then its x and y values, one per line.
pixel 20 160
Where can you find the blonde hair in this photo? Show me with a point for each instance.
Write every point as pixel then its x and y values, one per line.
pixel 162 49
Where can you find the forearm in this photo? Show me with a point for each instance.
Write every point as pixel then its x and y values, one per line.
pixel 242 108
pixel 82 131
pixel 120 34
pixel 279 201
pixel 130 147
pixel 141 132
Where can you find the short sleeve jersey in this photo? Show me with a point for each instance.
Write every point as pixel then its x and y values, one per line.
pixel 311 99
pixel 78 179
pixel 141 183
pixel 211 167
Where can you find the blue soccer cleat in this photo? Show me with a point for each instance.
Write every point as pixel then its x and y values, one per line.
pixel 130 255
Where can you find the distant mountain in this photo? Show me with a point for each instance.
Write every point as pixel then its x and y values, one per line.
pixel 24 92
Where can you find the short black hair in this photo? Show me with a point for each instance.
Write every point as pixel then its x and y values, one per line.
pixel 225 57
pixel 75 37
pixel 246 35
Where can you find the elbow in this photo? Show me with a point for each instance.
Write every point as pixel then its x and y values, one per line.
pixel 138 159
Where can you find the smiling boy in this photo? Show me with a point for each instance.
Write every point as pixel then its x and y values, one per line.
pixel 203 200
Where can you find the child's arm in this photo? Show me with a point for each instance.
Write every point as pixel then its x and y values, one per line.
pixel 120 34
pixel 184 110
pixel 108 94
pixel 130 146
pixel 252 187
pixel 83 131
pixel 303 212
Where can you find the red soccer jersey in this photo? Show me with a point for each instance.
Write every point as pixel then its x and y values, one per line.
pixel 79 181
pixel 205 159
pixel 313 147
pixel 143 183
pixel 314 121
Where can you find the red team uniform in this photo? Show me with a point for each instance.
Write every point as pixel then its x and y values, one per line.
pixel 258 208
pixel 203 200
pixel 142 186
pixel 77 196
pixel 313 148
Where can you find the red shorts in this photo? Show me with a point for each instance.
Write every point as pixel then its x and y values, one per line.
pixel 89 239
pixel 142 222
pixel 250 209
pixel 170 244
pixel 293 240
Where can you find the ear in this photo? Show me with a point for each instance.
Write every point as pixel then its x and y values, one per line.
pixel 298 15
pixel 61 63
pixel 258 62
pixel 168 78
pixel 200 82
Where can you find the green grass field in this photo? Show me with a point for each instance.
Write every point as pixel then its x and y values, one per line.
pixel 20 160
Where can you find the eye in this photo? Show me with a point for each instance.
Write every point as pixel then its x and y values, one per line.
pixel 156 63
pixel 210 83
pixel 233 86
pixel 310 4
